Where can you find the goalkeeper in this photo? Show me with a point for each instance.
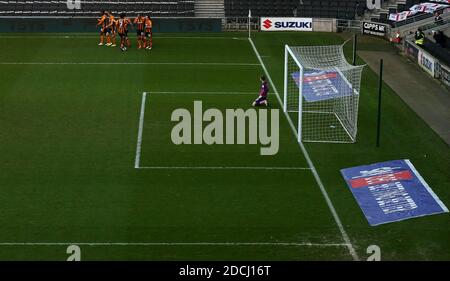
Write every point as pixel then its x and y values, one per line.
pixel 262 99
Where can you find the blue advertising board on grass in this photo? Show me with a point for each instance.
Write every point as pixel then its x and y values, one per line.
pixel 320 85
pixel 392 191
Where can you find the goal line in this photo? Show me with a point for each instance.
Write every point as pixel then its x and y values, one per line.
pixel 331 207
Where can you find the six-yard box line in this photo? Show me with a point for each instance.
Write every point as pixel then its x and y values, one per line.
pixel 137 162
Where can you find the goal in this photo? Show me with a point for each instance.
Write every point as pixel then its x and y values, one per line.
pixel 322 90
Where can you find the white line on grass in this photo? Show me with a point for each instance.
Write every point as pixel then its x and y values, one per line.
pixel 133 63
pixel 206 93
pixel 96 36
pixel 222 168
pixel 427 187
pixel 287 244
pixel 141 129
pixel 310 163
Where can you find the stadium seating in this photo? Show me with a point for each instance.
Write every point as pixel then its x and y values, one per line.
pixel 343 9
pixel 169 8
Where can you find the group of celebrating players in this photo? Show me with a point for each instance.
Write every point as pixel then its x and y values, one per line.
pixel 109 27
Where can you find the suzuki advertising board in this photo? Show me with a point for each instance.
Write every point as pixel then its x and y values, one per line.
pixel 286 24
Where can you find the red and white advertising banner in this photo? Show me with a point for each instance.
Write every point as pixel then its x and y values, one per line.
pixel 419 8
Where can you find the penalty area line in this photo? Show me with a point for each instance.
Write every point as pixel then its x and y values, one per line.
pixel 255 244
pixel 96 36
pixel 136 63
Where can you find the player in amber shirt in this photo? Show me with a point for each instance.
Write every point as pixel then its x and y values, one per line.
pixel 122 29
pixel 102 23
pixel 111 30
pixel 148 33
pixel 139 21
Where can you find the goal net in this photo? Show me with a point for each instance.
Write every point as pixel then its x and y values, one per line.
pixel 323 89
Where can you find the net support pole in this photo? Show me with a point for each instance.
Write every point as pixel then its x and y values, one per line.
pixel 300 105
pixel 286 75
pixel 380 91
pixel 355 42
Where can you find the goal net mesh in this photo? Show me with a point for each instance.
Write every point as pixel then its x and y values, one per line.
pixel 323 88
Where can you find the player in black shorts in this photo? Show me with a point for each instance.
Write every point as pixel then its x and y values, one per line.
pixel 122 28
pixel 139 21
pixel 148 33
pixel 111 30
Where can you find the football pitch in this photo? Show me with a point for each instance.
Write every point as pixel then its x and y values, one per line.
pixel 87 157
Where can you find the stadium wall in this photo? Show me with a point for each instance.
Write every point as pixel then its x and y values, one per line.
pixel 324 25
pixel 87 24
pixel 429 63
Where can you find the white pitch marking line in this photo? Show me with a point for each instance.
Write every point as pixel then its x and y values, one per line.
pixel 425 184
pixel 139 143
pixel 310 164
pixel 132 63
pixel 207 93
pixel 90 37
pixel 223 168
pixel 287 244
pixel 141 129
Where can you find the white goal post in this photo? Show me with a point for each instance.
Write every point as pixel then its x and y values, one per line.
pixel 323 89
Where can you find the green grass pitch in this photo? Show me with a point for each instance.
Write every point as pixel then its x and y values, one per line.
pixel 69 121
